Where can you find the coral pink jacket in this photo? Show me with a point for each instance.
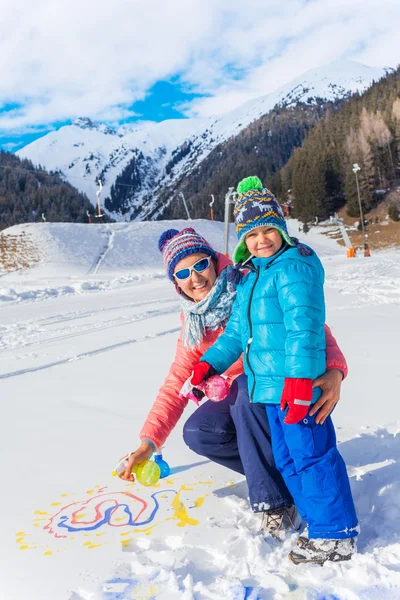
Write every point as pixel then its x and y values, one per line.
pixel 168 407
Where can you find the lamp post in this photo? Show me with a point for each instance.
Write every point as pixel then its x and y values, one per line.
pixel 211 207
pixel 185 205
pixel 355 169
pixel 229 199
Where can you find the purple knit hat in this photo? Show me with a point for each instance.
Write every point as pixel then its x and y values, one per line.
pixel 176 245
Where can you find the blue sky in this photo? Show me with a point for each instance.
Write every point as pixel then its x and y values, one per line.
pixel 163 101
pixel 156 60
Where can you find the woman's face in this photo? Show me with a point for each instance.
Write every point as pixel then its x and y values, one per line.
pixel 263 242
pixel 197 285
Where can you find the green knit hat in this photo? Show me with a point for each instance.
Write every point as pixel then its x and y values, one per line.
pixel 256 206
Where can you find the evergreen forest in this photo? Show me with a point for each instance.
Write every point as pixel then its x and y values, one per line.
pixel 27 193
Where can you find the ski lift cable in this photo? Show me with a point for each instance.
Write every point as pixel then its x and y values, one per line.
pixel 34 171
pixel 59 173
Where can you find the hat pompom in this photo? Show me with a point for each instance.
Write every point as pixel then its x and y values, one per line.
pixel 165 237
pixel 249 183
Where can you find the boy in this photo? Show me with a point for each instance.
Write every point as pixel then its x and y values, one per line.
pixel 278 321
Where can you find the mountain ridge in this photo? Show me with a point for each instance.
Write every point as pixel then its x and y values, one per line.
pixel 143 159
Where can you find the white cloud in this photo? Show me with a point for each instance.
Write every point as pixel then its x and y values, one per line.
pixel 95 58
pixel 10 146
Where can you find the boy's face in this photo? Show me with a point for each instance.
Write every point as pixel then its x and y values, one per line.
pixel 263 242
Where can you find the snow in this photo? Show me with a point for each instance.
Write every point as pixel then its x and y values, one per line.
pixel 87 335
pixel 85 150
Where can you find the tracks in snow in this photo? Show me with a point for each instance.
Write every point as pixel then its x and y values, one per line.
pixel 108 247
pixel 36 332
pixel 88 354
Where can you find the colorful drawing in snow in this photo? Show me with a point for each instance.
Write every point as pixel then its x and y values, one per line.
pixel 127 510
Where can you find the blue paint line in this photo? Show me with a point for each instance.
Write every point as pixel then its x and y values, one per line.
pixel 108 513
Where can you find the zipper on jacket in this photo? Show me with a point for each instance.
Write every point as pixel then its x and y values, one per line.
pixel 251 332
pixel 257 271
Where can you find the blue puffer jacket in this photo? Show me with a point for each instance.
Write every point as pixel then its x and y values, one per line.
pixel 278 321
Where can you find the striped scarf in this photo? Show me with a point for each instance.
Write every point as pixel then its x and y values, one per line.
pixel 213 311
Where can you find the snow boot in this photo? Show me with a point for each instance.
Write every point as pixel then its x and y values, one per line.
pixel 318 551
pixel 277 521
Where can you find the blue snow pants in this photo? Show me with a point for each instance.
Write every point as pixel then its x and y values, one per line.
pixel 235 433
pixel 315 473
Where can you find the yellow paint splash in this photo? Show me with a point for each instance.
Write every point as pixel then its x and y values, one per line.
pixel 90 492
pixel 55 504
pixel 125 533
pixel 198 502
pixel 80 515
pixel 24 547
pixel 206 482
pixel 64 495
pixel 146 530
pixel 41 512
pixel 180 511
pixel 144 591
pixel 20 533
pixel 47 553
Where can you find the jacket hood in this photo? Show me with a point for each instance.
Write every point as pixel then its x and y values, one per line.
pixel 223 262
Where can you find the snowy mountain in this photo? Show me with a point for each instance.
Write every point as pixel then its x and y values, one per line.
pixel 161 153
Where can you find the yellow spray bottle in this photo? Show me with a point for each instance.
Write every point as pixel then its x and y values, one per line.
pixel 147 472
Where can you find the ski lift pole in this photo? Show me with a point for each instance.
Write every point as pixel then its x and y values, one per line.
pixel 99 213
pixel 211 207
pixel 226 220
pixel 185 205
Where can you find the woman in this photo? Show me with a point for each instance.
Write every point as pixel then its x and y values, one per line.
pixel 234 432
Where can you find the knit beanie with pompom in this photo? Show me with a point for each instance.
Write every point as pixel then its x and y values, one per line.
pixel 176 245
pixel 257 207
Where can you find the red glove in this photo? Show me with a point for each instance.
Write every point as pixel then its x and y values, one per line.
pixel 297 394
pixel 201 372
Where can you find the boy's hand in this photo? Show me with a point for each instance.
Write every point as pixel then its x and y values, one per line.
pixel 201 372
pixel 297 394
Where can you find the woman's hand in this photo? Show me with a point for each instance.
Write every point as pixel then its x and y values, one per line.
pixel 144 451
pixel 330 384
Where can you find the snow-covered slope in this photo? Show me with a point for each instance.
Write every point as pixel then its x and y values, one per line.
pixel 87 336
pixel 85 151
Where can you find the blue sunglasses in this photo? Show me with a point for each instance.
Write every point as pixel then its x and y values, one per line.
pixel 199 266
